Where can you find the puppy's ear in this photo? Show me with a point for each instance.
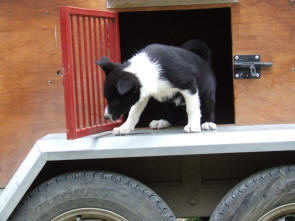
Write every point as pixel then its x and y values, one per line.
pixel 106 65
pixel 124 85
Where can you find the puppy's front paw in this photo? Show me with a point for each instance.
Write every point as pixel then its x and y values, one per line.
pixel 158 124
pixel 209 126
pixel 117 131
pixel 190 128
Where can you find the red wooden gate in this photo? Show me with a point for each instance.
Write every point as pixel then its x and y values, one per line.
pixel 87 35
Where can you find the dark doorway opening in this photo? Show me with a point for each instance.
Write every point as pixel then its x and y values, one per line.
pixel 138 29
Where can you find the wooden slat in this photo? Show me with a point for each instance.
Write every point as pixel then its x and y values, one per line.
pixel 73 43
pixel 156 3
pixel 91 68
pixel 86 66
pixel 81 71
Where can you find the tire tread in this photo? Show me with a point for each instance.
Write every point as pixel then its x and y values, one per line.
pixel 33 195
pixel 241 190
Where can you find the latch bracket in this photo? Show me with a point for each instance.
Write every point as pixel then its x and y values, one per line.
pixel 248 66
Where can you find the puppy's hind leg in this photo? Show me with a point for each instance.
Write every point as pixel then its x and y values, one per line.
pixel 208 111
pixel 159 124
pixel 192 102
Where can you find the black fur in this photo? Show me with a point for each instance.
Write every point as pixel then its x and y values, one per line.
pixel 186 68
pixel 121 88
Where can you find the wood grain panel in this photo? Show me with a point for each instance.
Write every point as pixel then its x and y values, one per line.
pixel 31 101
pixel 265 28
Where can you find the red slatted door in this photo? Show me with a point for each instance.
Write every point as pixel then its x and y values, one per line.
pixel 87 35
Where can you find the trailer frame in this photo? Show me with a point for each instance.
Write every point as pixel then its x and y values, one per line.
pixel 143 142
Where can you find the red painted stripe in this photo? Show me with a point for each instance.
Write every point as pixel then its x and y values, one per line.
pixel 68 80
pixel 87 71
pixel 81 72
pixel 90 12
pixel 106 50
pixel 97 73
pixel 101 80
pixel 75 75
pixel 92 62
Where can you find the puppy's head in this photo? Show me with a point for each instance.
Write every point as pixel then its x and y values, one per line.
pixel 121 88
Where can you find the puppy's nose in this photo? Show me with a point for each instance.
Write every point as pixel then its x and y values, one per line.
pixel 106 116
pixel 106 113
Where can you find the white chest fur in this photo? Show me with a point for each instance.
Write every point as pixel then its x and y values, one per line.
pixel 165 91
pixel 148 73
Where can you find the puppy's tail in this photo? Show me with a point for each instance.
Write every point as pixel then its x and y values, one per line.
pixel 199 47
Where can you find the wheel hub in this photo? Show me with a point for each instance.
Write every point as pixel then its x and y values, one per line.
pixel 282 213
pixel 89 214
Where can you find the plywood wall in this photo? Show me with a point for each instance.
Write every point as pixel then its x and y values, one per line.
pixel 31 94
pixel 266 27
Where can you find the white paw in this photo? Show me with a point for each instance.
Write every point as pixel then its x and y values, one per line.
pixel 209 126
pixel 190 128
pixel 158 124
pixel 122 131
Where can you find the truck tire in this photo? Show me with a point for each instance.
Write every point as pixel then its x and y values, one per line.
pixel 92 196
pixel 265 196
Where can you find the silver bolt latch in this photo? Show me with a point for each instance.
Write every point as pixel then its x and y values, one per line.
pixel 248 66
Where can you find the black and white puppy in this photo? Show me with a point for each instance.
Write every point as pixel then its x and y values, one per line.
pixel 180 74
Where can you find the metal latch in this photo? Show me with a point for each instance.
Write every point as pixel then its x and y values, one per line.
pixel 248 66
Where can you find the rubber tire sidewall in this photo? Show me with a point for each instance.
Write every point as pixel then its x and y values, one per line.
pixel 113 192
pixel 257 195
